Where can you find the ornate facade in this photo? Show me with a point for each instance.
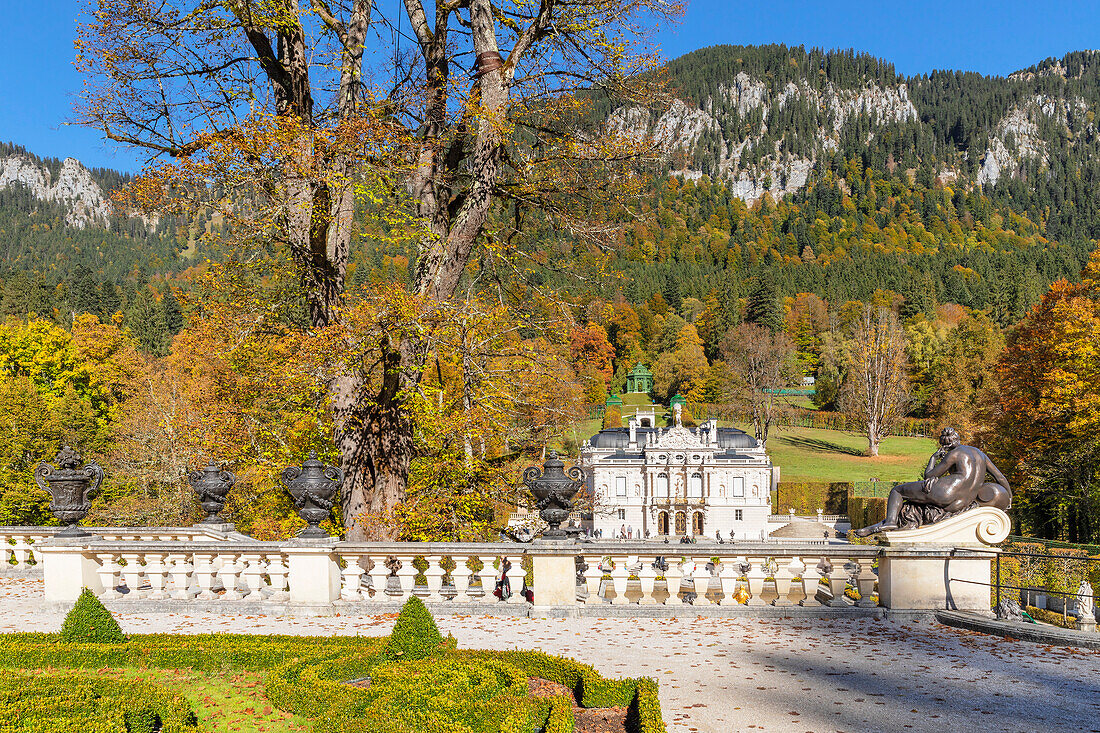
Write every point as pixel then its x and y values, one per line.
pixel 678 481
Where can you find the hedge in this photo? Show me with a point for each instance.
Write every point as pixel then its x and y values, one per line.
pixel 452 691
pixel 820 419
pixel 41 702
pixel 90 621
pixel 806 497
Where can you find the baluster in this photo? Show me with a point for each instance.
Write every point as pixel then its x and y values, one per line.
pixel 516 574
pixel 379 577
pixel 229 574
pixel 351 578
pixel 204 575
pixel 488 575
pixel 620 573
pixel 673 577
pixel 434 574
pixel 7 554
pixel 461 577
pixel 157 573
pixel 647 578
pixel 593 577
pixel 131 574
pixel 784 575
pixel 180 585
pixel 21 552
pixel 838 579
pixel 865 582
pixel 108 573
pixel 728 573
pixel 756 577
pixel 253 575
pixel 278 574
pixel 700 580
pixel 406 574
pixel 810 577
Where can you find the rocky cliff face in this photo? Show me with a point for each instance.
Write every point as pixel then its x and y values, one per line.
pixel 73 187
pixel 743 130
pixel 682 129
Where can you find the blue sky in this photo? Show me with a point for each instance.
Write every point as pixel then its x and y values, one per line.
pixel 37 81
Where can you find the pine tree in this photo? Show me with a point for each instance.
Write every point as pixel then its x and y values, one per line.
pixel 763 306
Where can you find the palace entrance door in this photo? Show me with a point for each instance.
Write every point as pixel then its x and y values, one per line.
pixel 697 524
pixel 681 523
pixel 662 523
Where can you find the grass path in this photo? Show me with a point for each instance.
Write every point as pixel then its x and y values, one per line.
pixel 223 703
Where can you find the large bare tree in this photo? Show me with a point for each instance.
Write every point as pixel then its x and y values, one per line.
pixel 876 390
pixel 763 363
pixel 287 108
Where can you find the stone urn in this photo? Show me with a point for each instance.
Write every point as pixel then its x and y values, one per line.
pixel 313 489
pixel 554 488
pixel 71 488
pixel 211 485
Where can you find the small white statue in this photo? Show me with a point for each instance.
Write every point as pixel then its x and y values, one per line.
pixel 676 410
pixel 1086 604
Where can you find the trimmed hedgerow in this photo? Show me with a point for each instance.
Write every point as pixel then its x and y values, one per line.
pixel 453 691
pixel 644 714
pixel 90 622
pixel 415 635
pixel 60 703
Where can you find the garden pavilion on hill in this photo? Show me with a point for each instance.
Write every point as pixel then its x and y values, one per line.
pixel 640 380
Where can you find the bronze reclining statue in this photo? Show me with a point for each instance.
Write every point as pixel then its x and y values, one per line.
pixel 954 481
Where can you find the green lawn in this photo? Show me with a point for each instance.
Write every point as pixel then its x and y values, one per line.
pixel 813 454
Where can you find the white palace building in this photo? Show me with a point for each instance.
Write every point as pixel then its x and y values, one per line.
pixel 677 481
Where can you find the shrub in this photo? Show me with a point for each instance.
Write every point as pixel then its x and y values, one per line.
pixel 90 622
pixel 415 634
pixel 60 703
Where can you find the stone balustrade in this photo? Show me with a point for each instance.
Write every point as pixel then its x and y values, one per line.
pixel 18 550
pixel 205 570
pixel 185 571
pixel 772 574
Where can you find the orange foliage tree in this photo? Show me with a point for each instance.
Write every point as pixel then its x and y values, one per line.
pixel 1049 411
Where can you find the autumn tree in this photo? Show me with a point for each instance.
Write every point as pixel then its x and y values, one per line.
pixel 876 389
pixel 761 363
pixel 965 384
pixel 274 113
pixel 682 369
pixel 1049 411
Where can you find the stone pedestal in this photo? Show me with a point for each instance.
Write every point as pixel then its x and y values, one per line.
pixel 314 577
pixel 555 574
pixel 67 570
pixel 934 578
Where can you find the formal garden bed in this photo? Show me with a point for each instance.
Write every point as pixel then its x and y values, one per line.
pixel 92 678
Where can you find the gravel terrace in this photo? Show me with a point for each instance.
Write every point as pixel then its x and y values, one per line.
pixel 742 674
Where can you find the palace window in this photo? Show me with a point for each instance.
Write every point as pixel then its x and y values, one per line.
pixel 738 486
pixel 739 515
pixel 622 514
pixel 620 486
pixel 662 485
pixel 695 486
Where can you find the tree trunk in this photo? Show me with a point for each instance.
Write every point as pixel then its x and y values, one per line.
pixel 374 434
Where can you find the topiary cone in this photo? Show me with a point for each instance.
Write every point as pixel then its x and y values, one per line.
pixel 89 622
pixel 415 634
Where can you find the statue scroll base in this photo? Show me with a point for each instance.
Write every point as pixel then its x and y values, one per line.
pixel 981 526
